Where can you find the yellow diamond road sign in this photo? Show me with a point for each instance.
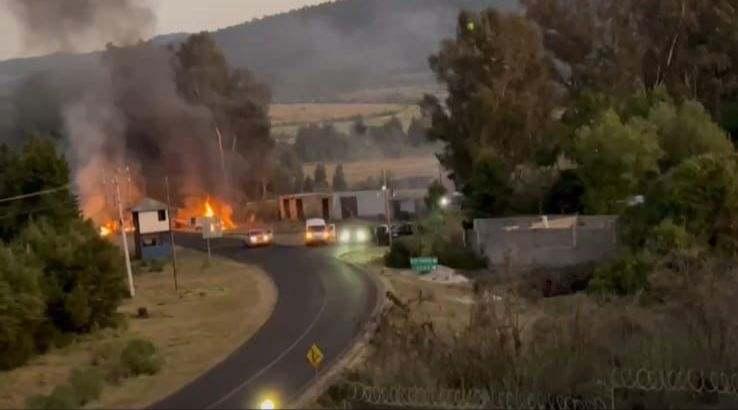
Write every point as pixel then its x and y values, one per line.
pixel 315 356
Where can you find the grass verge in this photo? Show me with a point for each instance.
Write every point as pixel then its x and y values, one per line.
pixel 218 307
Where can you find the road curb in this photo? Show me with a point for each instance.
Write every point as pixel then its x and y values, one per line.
pixel 357 346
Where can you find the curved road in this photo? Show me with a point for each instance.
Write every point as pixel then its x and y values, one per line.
pixel 321 300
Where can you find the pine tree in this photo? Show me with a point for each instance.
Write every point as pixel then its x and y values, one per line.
pixel 308 185
pixel 339 180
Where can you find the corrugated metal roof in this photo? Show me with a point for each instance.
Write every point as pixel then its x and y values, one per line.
pixel 148 204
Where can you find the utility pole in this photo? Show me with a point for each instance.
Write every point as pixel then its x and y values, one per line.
pixel 171 234
pixel 128 188
pixel 386 189
pixel 131 288
pixel 222 156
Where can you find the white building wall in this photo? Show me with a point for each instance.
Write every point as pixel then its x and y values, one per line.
pixel 148 222
pixel 370 203
pixel 407 205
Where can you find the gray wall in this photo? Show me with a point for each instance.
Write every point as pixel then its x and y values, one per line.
pixel 523 242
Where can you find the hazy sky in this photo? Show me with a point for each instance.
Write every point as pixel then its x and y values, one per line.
pixel 172 16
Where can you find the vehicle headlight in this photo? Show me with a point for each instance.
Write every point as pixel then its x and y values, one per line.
pixel 362 235
pixel 345 236
pixel 309 235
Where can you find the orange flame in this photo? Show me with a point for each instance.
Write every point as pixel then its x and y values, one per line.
pixel 112 226
pixel 208 208
pixel 209 213
pixel 105 231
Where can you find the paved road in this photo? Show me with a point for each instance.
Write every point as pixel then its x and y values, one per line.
pixel 321 300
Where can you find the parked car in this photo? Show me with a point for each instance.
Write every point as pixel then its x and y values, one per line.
pixel 353 234
pixel 397 230
pixel 318 232
pixel 403 229
pixel 259 237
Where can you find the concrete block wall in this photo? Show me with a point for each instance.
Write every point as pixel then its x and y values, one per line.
pixel 523 242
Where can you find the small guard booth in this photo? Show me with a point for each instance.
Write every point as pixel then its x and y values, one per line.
pixel 151 235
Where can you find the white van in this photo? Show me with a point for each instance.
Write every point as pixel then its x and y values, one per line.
pixel 317 231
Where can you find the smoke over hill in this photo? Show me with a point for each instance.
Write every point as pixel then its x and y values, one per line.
pixel 327 51
pixel 71 25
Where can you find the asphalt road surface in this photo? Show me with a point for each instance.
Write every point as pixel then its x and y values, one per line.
pixel 321 300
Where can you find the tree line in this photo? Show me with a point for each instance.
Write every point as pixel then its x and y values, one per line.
pixel 315 142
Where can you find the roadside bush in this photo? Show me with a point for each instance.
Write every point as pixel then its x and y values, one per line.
pixel 87 384
pixel 456 257
pixel 140 357
pixel 626 275
pixel 400 252
pixel 62 397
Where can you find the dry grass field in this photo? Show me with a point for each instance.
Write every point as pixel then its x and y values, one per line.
pixel 282 114
pixel 218 307
pixel 287 118
pixel 357 171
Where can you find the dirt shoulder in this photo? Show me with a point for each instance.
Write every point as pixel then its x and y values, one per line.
pixel 218 307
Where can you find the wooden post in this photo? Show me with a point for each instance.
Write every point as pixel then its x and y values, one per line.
pixel 171 235
pixel 131 288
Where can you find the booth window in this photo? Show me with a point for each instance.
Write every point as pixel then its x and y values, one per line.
pixel 162 215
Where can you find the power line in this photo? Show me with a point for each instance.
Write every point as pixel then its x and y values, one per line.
pixel 18 213
pixel 39 193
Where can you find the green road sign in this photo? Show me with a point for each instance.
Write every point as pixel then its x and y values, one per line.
pixel 424 265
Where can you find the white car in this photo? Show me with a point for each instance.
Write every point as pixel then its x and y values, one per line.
pixel 354 234
pixel 318 232
pixel 259 237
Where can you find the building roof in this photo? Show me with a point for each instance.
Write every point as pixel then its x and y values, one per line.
pixel 148 204
pixel 308 195
pixel 401 194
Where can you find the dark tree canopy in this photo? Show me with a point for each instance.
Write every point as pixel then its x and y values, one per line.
pixel 619 46
pixel 500 93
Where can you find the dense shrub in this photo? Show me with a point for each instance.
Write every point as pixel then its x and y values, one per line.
pixel 140 357
pixel 62 397
pixel 625 275
pixel 456 257
pixel 87 384
pixel 82 275
pixel 700 195
pixel 400 252
pixel 566 195
pixel 21 308
pixel 439 236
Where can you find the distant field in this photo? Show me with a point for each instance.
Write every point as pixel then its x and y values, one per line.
pixel 284 114
pixel 287 118
pixel 357 171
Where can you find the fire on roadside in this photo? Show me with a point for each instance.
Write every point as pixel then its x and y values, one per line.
pixel 208 207
pixel 111 227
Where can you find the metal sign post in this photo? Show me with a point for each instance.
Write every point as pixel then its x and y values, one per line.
pixel 211 228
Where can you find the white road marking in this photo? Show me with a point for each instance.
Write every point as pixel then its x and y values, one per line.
pixel 270 365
